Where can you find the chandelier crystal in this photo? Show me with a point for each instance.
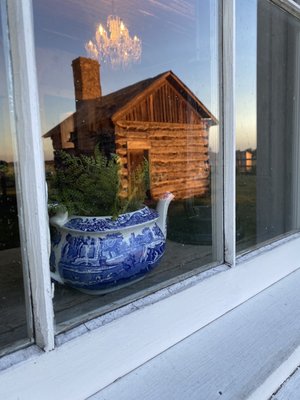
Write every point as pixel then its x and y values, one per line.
pixel 115 46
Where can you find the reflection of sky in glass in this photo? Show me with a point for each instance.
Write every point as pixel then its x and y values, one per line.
pixel 179 35
pixel 246 74
pixel 5 135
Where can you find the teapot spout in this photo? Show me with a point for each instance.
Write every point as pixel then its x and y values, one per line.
pixel 59 219
pixel 162 210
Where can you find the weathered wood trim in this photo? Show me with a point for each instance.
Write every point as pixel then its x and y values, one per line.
pixel 187 169
pixel 182 183
pixel 190 142
pixel 144 126
pixel 228 128
pixel 189 157
pixel 164 134
pixel 32 172
pixel 21 222
pixel 216 166
pixel 183 150
pixel 288 5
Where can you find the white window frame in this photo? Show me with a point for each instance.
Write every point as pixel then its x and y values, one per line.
pixel 32 192
pixel 100 351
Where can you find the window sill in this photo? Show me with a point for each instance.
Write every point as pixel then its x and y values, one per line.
pixel 105 353
pixel 246 354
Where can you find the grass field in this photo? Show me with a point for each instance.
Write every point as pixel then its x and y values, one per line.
pixel 190 221
pixel 246 210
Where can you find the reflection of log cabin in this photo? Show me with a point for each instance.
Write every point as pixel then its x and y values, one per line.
pixel 158 118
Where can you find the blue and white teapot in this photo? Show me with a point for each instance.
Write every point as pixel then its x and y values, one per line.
pixel 99 254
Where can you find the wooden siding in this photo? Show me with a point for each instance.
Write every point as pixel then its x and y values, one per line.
pixel 165 104
pixel 178 157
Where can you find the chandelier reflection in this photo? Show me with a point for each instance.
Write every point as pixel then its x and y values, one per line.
pixel 115 46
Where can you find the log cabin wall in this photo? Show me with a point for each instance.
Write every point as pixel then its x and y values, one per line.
pixel 178 156
pixel 165 124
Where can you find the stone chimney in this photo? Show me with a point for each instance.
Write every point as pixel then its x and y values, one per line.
pixel 86 73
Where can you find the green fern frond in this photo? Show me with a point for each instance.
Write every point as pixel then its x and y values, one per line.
pixel 90 185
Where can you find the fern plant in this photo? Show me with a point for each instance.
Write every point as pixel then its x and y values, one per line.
pixel 90 186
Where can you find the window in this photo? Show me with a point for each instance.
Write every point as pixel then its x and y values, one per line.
pixel 106 86
pixel 190 66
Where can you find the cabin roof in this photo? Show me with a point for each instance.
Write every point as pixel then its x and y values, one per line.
pixel 113 105
pixel 114 102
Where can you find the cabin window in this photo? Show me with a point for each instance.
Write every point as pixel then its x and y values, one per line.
pixel 139 96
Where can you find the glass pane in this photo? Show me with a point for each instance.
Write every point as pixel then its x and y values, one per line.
pixel 146 118
pixel 13 325
pixel 268 146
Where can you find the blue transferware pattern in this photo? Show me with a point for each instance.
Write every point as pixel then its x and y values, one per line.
pixel 108 253
pixel 95 224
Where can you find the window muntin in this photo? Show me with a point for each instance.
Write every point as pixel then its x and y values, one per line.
pixel 173 36
pixel 14 330
pixel 267 154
